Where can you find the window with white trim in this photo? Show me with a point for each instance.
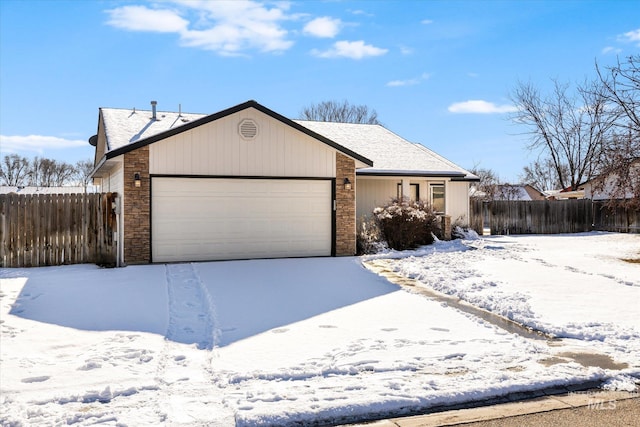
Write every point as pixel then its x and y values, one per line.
pixel 414 192
pixel 437 197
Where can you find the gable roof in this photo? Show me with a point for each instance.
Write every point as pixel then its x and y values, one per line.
pixel 127 130
pixel 392 155
pixel 386 153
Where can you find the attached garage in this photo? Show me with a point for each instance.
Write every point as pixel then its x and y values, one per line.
pixel 197 219
pixel 242 183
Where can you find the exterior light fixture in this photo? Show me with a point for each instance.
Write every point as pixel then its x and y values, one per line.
pixel 136 179
pixel 347 184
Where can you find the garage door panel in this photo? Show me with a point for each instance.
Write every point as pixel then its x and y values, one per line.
pixel 197 219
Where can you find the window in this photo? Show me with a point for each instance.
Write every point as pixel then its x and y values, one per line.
pixel 437 197
pixel 414 192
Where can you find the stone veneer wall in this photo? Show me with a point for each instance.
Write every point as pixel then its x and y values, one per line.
pixel 137 208
pixel 345 206
pixel 446 227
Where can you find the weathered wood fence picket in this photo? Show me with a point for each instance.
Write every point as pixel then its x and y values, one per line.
pixel 551 217
pixel 56 229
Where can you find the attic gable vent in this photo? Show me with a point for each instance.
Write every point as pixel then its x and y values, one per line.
pixel 248 129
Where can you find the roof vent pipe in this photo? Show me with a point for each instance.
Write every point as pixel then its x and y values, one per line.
pixel 153 109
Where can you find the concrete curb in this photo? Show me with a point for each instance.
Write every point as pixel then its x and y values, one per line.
pixel 597 399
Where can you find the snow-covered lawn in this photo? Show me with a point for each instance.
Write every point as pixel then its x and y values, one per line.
pixel 275 342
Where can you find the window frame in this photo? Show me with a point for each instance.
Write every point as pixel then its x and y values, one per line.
pixel 411 192
pixel 432 187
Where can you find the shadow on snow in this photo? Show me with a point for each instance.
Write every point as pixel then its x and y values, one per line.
pixel 245 298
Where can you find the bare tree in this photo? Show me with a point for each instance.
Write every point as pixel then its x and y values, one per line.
pixel 487 187
pixel 570 130
pixel 340 112
pixel 508 192
pixel 620 176
pixel 50 173
pixel 621 85
pixel 542 175
pixel 14 170
pixel 83 169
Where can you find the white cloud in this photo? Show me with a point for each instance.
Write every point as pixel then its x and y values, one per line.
pixel 408 82
pixel 632 36
pixel 480 107
pixel 227 27
pixel 37 143
pixel 406 50
pixel 426 21
pixel 611 49
pixel 140 18
pixel 325 27
pixel 361 12
pixel 354 50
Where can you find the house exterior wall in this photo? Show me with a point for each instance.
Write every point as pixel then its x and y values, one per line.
pixel 345 206
pixel 114 181
pixel 378 191
pixel 373 193
pixel 457 201
pixel 218 149
pixel 101 146
pixel 136 204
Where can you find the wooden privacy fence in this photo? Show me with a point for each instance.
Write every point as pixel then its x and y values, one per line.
pixel 551 217
pixel 55 229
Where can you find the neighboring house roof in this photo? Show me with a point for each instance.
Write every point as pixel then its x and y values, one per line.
pixel 517 192
pixel 385 152
pixel 521 192
pixel 391 154
pixel 46 190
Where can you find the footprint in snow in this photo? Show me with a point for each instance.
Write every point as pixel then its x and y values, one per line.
pixel 35 379
pixel 280 330
pixel 89 366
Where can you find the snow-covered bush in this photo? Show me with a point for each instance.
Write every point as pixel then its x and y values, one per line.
pixel 369 238
pixel 465 233
pixel 406 224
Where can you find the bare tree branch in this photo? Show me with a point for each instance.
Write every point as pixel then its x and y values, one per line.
pixel 14 170
pixel 570 130
pixel 333 111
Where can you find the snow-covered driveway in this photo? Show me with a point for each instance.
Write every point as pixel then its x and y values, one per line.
pixel 275 342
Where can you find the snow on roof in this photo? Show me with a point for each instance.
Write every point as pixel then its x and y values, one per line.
pixel 520 193
pixel 126 126
pixel 391 154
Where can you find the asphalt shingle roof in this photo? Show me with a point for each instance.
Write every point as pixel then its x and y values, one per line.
pixel 390 153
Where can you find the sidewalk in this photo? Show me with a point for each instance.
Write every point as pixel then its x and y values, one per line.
pixel 574 408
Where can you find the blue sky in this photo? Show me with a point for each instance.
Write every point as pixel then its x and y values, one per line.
pixel 437 72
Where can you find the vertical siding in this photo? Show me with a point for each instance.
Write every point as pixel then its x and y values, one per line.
pixel 457 201
pixel 372 193
pixel 216 148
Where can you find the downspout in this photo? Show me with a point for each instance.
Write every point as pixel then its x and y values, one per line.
pixel 121 234
pixel 118 231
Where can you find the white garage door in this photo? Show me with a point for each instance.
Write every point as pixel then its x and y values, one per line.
pixel 198 219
